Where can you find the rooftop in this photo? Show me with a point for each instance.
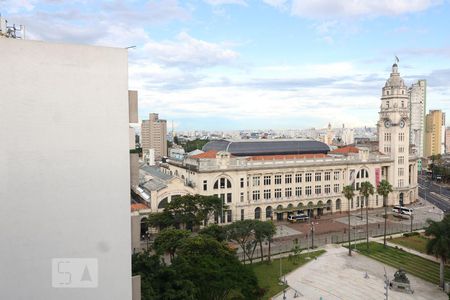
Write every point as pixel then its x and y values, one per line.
pixel 267 147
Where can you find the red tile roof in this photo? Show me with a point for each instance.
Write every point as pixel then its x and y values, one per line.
pixel 208 154
pixel 287 156
pixel 138 206
pixel 345 150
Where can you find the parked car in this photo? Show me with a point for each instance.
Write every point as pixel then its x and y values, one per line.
pixel 298 218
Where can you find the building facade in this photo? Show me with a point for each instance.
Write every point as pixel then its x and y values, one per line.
pixel 447 140
pixel 55 178
pixel 417 107
pixel 154 136
pixel 270 179
pixel 434 133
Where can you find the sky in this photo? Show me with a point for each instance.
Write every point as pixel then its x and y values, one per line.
pixel 258 64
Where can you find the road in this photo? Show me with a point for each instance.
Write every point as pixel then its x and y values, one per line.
pixel 438 195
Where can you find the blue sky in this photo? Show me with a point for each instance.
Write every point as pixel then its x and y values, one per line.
pixel 248 64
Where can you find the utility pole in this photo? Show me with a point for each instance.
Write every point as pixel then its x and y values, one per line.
pixel 412 218
pixel 386 286
pixel 367 223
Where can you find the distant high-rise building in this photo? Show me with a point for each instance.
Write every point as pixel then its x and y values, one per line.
pixel 154 136
pixel 348 137
pixel 447 140
pixel 417 105
pixel 434 133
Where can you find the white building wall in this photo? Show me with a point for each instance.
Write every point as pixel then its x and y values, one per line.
pixel 64 190
pixel 417 101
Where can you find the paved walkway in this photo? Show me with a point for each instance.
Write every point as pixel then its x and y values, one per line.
pixel 335 275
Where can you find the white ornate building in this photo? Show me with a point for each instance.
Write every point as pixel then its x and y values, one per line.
pixel 270 179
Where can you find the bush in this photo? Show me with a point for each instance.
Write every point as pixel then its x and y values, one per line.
pixel 408 234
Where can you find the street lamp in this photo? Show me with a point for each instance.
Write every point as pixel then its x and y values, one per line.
pixel 312 224
pixel 146 236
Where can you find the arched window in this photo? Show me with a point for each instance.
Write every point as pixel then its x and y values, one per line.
pixel 257 213
pixel 268 212
pixel 163 203
pixel 222 183
pixel 338 204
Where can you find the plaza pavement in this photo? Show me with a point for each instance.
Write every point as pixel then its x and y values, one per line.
pixel 335 275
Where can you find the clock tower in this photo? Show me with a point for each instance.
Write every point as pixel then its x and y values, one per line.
pixel 393 136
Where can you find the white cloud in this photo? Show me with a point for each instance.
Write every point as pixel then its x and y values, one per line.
pixel 187 51
pixel 280 4
pixel 222 2
pixel 331 9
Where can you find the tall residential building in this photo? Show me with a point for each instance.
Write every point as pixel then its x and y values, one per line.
pixel 434 133
pixel 417 111
pixel 447 140
pixel 154 136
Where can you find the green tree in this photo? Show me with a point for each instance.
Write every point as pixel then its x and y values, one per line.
pixel 160 282
pixel 185 210
pixel 195 144
pixel 243 233
pixel 162 220
pixel 168 241
pixel 208 206
pixel 264 231
pixel 296 250
pixel 439 244
pixel 383 189
pixel 188 211
pixel 214 270
pixel 215 231
pixel 366 191
pixel 349 193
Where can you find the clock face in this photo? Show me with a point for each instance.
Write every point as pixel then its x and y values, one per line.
pixel 402 123
pixel 387 123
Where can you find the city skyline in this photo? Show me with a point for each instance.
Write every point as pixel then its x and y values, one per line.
pixel 224 64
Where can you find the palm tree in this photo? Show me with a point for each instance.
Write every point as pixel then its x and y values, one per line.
pixel 439 244
pixel 349 194
pixel 366 190
pixel 383 189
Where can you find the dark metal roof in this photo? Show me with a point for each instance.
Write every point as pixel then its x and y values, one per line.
pixel 267 147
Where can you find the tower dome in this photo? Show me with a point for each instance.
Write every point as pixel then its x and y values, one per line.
pixel 395 80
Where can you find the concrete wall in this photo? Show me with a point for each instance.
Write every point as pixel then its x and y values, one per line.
pixel 64 168
pixel 137 287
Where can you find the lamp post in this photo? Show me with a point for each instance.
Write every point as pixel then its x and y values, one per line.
pixel 146 236
pixel 312 224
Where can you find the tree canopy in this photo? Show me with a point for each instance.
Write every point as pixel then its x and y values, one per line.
pixel 202 268
pixel 189 212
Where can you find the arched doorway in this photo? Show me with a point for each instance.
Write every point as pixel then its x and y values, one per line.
pixel 310 209
pixel 320 208
pixel 300 208
pixel 279 213
pixel 257 213
pixel 290 208
pixel 329 206
pixel 338 205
